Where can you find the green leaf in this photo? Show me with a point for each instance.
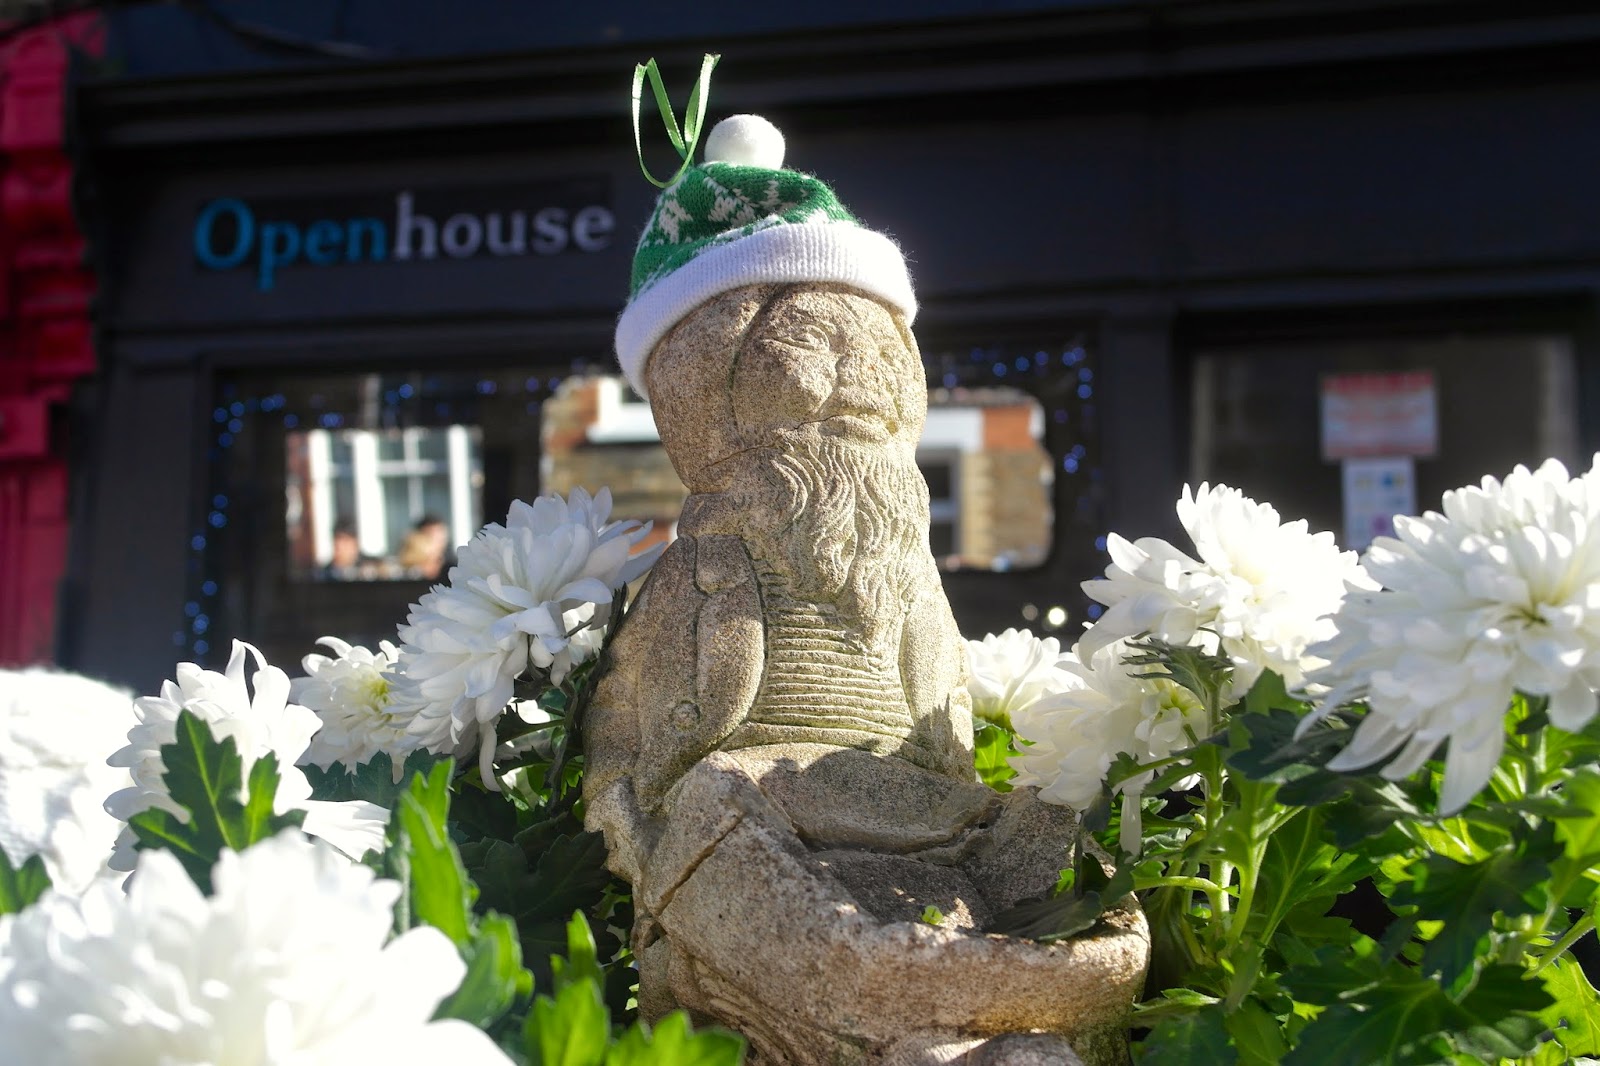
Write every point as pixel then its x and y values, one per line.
pixel 1313 788
pixel 1176 952
pixel 1269 694
pixel 1575 1014
pixel 573 1029
pixel 1173 1002
pixel 992 747
pixel 674 1043
pixel 1064 915
pixel 1574 749
pixel 581 963
pixel 1337 974
pixel 1299 867
pixel 539 837
pixel 437 892
pixel 1398 1019
pixel 436 882
pixel 495 977
pixel 1579 833
pixel 21 886
pixel 567 875
pixel 1243 829
pixel 373 780
pixel 1265 747
pixel 500 870
pixel 1503 1011
pixel 1466 897
pixel 255 822
pixel 1208 676
pixel 205 777
pixel 1256 1034
pixel 477 813
pixel 1188 1040
pixel 570 875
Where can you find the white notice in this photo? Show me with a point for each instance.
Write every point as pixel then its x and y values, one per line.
pixel 1375 490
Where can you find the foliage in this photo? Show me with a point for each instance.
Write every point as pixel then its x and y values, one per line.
pixel 993 746
pixel 374 780
pixel 21 885
pixel 205 776
pixel 507 874
pixel 495 899
pixel 572 1027
pixel 1294 909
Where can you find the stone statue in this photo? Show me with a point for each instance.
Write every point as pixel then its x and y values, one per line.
pixel 780 745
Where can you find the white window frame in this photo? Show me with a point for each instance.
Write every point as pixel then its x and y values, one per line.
pixel 368 473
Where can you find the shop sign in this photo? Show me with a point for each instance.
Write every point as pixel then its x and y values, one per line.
pixel 1380 414
pixel 268 236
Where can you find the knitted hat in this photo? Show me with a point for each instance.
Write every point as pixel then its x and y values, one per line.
pixel 740 219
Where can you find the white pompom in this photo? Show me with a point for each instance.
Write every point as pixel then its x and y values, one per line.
pixel 746 140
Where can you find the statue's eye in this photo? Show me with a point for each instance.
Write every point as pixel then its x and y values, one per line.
pixel 812 336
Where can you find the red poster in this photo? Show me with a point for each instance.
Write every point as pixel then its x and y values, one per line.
pixel 1379 414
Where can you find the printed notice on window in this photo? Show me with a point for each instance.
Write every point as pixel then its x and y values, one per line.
pixel 1375 490
pixel 1379 414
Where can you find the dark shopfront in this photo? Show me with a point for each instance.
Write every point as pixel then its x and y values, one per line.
pixel 336 301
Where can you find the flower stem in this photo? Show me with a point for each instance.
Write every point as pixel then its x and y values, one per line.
pixel 1213 778
pixel 1579 928
pixel 1195 884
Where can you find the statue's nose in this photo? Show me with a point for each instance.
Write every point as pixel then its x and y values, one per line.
pixel 863 367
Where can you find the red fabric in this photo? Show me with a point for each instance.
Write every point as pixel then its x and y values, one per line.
pixel 45 336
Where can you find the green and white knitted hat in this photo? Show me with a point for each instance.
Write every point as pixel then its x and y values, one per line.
pixel 740 219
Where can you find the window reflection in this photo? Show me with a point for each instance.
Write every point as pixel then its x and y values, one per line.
pixel 989 479
pixel 988 473
pixel 381 505
pixel 1502 400
pixel 599 434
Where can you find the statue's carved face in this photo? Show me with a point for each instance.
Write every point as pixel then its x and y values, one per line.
pixel 830 361
pixel 755 365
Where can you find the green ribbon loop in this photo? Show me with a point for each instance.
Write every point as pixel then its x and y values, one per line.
pixel 693 115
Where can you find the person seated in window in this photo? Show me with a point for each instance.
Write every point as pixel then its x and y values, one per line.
pixel 425 552
pixel 347 563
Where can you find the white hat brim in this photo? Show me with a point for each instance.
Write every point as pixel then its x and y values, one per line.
pixel 789 253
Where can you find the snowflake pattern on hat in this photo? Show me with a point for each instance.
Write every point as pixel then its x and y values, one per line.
pixel 716 203
pixel 741 219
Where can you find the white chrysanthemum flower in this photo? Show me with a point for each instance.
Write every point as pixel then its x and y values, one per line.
pixel 1500 593
pixel 1076 735
pixel 1009 671
pixel 260 722
pixel 536 590
pixel 285 964
pixel 350 691
pixel 1260 593
pixel 56 730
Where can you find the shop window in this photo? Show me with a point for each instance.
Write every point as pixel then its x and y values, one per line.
pixel 462 442
pixel 1460 407
pixel 939 470
pixel 989 476
pixel 373 505
pixel 300 460
pixel 599 434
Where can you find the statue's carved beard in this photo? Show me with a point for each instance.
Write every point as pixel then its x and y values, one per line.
pixel 850 526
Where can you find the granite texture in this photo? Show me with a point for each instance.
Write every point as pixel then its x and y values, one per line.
pixel 780 746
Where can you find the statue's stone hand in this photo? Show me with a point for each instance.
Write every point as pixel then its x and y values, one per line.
pixel 686 666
